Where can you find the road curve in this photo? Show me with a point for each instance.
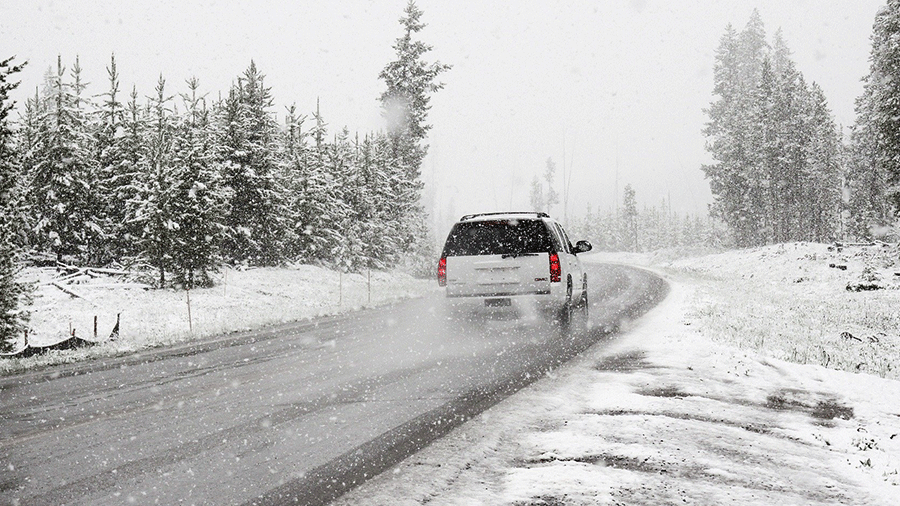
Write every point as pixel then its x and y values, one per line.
pixel 294 414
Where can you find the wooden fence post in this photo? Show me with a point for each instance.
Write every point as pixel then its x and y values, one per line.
pixel 190 323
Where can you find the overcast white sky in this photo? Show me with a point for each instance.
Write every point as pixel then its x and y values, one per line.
pixel 600 84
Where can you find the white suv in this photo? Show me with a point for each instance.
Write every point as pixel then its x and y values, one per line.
pixel 514 260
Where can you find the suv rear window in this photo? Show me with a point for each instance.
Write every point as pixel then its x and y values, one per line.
pixel 500 237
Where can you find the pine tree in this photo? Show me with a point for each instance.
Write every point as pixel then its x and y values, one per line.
pixel 292 158
pixel 198 201
pixel 410 81
pixel 134 145
pixel 63 181
pixel 316 204
pixel 866 176
pixel 875 154
pixel 552 197
pixel 258 214
pixel 823 192
pixel 630 218
pixel 734 139
pixel 14 294
pixel 112 166
pixel 151 211
pixel 777 174
pixel 536 197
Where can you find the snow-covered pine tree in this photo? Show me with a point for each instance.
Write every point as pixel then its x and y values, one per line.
pixel 630 219
pixel 14 294
pixel 552 197
pixel 875 173
pixel 866 177
pixel 351 251
pixel 822 194
pixel 765 128
pixel 63 180
pixel 112 166
pixel 729 114
pixel 199 199
pixel 257 212
pixel 410 81
pixel 374 205
pixel 292 172
pixel 316 203
pixel 763 165
pixel 536 196
pixel 150 211
pixel 134 145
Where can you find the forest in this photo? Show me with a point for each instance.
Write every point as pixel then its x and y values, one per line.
pixel 176 183
pixel 783 170
pixel 181 180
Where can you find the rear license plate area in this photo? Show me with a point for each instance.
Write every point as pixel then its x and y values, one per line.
pixel 497 302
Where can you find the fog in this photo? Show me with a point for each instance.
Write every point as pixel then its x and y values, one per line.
pixel 613 92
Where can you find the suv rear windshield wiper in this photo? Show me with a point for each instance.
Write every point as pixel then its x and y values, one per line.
pixel 516 255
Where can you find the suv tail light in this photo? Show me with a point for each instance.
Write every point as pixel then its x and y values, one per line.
pixel 442 271
pixel 555 269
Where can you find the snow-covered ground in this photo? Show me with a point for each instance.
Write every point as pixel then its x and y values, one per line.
pixel 241 300
pixel 670 411
pixel 719 395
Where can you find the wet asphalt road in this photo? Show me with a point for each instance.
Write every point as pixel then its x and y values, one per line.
pixel 294 414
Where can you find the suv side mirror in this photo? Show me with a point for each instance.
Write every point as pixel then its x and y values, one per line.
pixel 583 247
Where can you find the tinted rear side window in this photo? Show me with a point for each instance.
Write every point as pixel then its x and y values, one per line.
pixel 501 237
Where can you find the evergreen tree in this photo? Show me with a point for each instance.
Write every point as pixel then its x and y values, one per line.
pixel 198 201
pixel 112 166
pixel 410 81
pixel 728 130
pixel 777 172
pixel 14 294
pixel 375 208
pixel 875 153
pixel 63 181
pixel 552 197
pixel 536 197
pixel 125 186
pixel 630 218
pixel 866 176
pixel 258 214
pixel 151 211
pixel 823 191
pixel 317 206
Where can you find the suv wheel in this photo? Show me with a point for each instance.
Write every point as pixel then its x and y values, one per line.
pixel 567 310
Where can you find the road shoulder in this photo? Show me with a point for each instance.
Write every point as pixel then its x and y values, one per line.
pixel 659 414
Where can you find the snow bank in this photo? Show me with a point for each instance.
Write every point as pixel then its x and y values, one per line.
pixel 669 412
pixel 241 300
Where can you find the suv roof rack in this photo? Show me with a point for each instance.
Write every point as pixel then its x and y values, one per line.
pixel 538 214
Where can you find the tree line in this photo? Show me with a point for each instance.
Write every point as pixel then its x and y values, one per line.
pixel 873 155
pixel 777 150
pixel 782 170
pixel 643 228
pixel 179 183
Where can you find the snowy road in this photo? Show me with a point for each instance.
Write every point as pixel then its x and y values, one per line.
pixel 298 412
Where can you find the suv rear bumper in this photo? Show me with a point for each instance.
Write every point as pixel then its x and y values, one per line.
pixel 546 302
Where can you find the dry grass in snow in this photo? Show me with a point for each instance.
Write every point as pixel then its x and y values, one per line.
pixel 688 406
pixel 799 302
pixel 241 300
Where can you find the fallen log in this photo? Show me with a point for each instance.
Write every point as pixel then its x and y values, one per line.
pixel 71 292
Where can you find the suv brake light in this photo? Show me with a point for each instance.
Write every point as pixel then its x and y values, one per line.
pixel 442 271
pixel 555 269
